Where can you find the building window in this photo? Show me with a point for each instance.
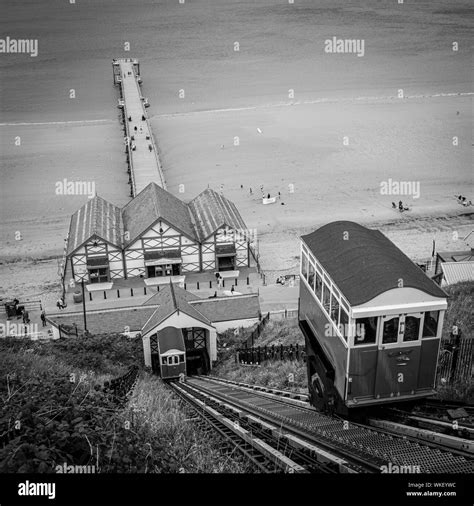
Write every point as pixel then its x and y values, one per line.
pixel 319 287
pixel 430 325
pixel 366 331
pixel 326 298
pixel 311 275
pixel 99 275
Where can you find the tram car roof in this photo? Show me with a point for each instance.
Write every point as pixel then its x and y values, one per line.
pixel 363 263
pixel 171 339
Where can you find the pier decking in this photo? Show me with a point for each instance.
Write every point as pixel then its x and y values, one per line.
pixel 143 159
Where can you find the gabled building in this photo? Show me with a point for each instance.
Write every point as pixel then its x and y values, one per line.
pixel 159 235
pixel 198 321
pixel 221 231
pixel 94 244
pixel 154 235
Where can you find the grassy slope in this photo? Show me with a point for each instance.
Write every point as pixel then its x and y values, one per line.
pixel 52 391
pixel 290 375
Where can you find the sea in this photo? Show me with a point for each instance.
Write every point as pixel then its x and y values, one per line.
pixel 226 53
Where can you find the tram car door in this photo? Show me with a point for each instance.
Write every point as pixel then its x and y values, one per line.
pixel 171 349
pixel 398 355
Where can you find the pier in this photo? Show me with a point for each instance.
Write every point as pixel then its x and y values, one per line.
pixel 142 154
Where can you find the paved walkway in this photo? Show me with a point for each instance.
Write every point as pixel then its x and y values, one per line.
pixel 145 163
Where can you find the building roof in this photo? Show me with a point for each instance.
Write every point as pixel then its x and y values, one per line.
pixel 157 298
pixel 212 211
pixel 96 218
pixel 150 205
pixel 198 220
pixel 363 263
pixel 106 321
pixel 170 299
pixel 457 256
pixel 456 272
pixel 236 307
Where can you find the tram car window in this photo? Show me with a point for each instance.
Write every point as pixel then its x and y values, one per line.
pixel 365 331
pixel 375 354
pixel 430 324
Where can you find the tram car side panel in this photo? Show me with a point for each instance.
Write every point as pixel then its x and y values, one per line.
pixel 172 353
pixel 428 363
pixel 322 344
pixel 362 372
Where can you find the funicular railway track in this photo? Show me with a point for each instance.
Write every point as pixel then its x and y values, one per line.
pixel 397 421
pixel 342 445
pixel 264 444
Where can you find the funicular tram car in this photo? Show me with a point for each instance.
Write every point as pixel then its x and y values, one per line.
pixel 371 318
pixel 171 353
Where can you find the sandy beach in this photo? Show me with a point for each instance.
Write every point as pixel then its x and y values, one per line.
pixel 335 141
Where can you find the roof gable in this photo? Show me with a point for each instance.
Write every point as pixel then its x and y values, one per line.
pixel 149 206
pixel 172 299
pixel 95 218
pixel 212 211
pixel 364 263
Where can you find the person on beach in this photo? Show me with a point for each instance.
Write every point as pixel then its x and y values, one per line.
pixel 135 128
pixel 150 147
pixel 43 318
pixel 129 118
pixel 268 196
pixel 400 206
pixel 232 290
pixel 250 191
pixel 26 317
pixel 394 206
